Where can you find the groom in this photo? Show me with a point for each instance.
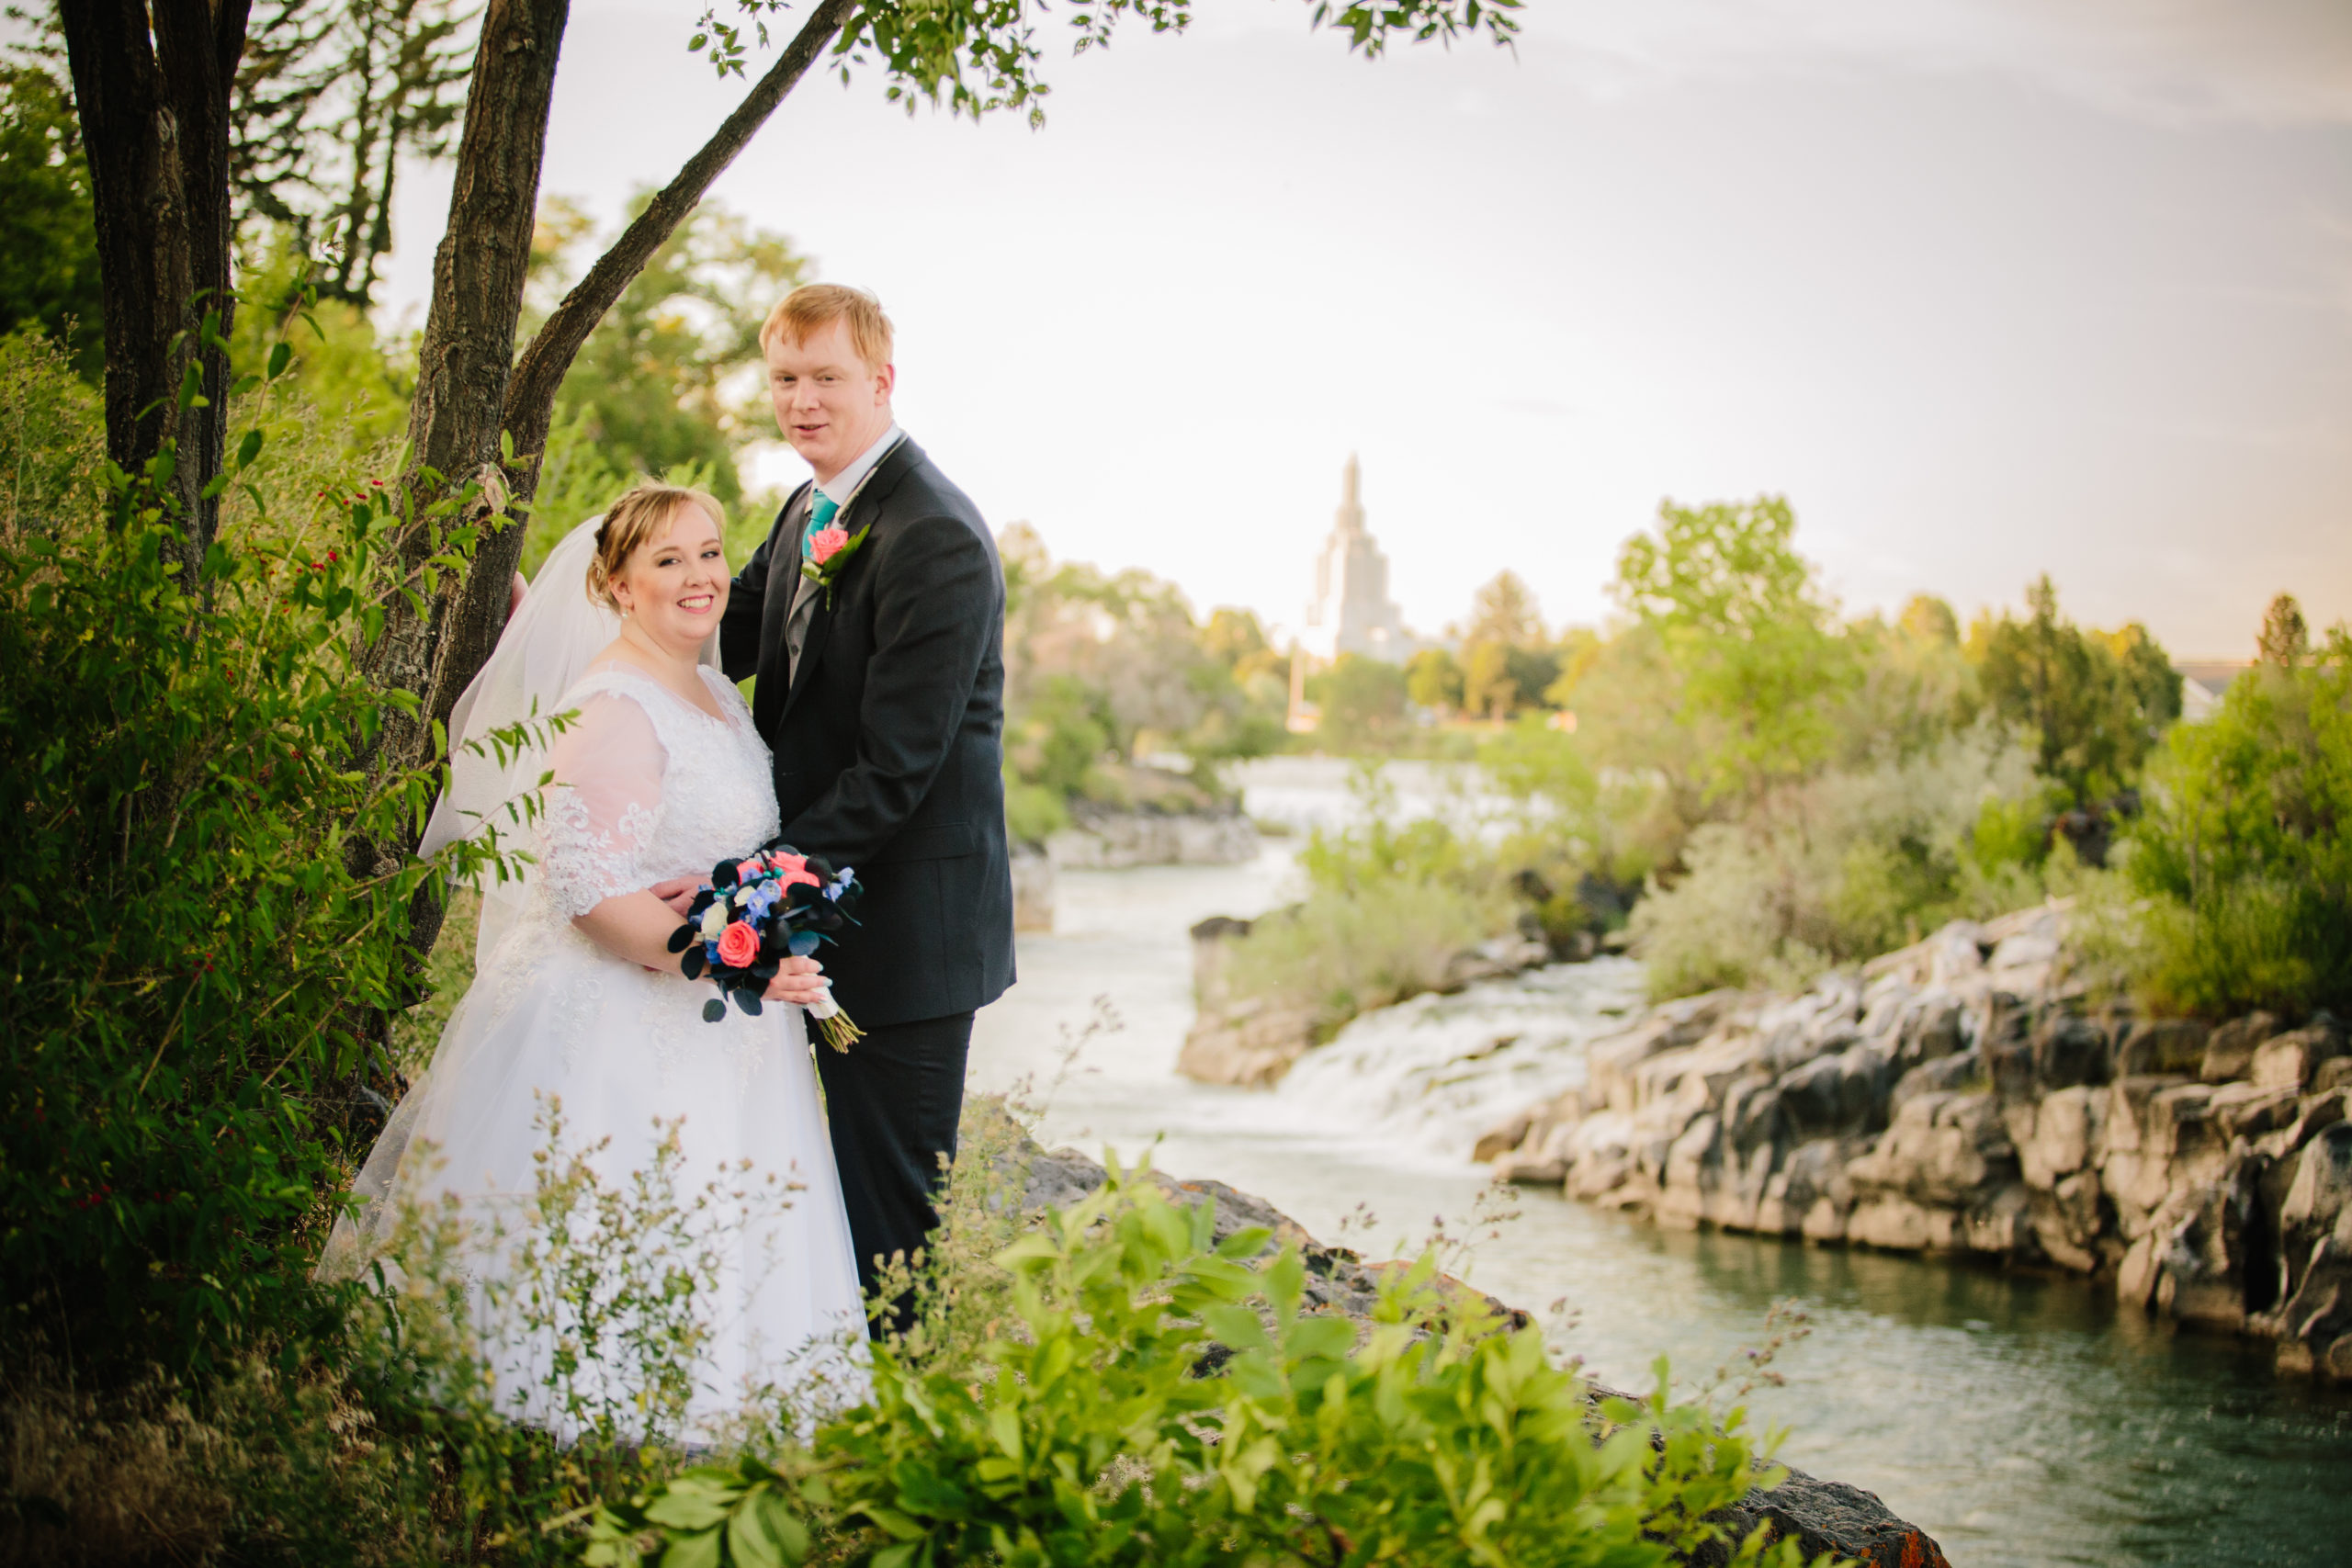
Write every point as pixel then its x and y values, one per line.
pixel 881 692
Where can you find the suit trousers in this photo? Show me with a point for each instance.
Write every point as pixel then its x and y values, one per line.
pixel 893 1100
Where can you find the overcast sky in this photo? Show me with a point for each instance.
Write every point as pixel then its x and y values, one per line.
pixel 1985 287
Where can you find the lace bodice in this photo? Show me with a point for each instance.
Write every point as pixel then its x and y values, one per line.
pixel 647 786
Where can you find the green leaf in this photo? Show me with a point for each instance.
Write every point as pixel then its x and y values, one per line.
pixel 1234 1326
pixel 1246 1243
pixel 696 1550
pixel 751 1543
pixel 281 355
pixel 1030 1249
pixel 783 1526
pixel 1004 1426
pixel 686 1506
pixel 1328 1336
pixel 891 1522
pixel 894 1557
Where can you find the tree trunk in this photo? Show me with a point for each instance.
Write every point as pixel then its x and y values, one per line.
pixel 468 348
pixel 155 112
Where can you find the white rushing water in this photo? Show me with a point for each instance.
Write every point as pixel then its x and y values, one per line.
pixel 2015 1417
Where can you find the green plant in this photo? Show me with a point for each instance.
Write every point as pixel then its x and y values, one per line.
pixel 2243 858
pixel 2094 703
pixel 52 450
pixel 1164 1398
pixel 190 949
pixel 49 244
pixel 1363 701
pixel 1388 906
pixel 1849 864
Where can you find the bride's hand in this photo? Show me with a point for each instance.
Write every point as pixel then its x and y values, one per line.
pixel 800 981
pixel 678 892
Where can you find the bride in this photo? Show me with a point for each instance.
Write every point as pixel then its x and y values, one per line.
pixel 577 999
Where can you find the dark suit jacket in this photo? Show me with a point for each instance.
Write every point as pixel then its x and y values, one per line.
pixel 888 745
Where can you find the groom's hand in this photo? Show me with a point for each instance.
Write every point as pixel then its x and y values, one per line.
pixel 678 892
pixel 800 981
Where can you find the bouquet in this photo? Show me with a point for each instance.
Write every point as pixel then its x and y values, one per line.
pixel 756 913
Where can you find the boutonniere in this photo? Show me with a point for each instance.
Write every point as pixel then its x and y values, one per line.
pixel 828 550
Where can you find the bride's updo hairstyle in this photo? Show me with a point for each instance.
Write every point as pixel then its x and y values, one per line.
pixel 636 520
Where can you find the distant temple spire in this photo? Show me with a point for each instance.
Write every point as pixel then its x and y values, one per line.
pixel 1351 611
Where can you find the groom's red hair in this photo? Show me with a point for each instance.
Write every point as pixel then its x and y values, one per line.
pixel 813 306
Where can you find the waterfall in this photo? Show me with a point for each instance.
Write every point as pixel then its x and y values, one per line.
pixel 1424 1079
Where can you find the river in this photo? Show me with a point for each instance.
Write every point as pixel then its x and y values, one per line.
pixel 2014 1416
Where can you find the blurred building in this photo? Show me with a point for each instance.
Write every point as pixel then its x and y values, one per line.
pixel 2203 681
pixel 1351 611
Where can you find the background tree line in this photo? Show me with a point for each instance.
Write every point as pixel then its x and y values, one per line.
pixel 1745 785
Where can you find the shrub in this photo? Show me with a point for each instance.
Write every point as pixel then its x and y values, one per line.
pixel 1849 864
pixel 2243 858
pixel 1339 954
pixel 53 446
pixel 1161 1398
pixel 193 964
pixel 1363 701
pixel 1388 906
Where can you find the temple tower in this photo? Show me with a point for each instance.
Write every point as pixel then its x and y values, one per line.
pixel 1351 611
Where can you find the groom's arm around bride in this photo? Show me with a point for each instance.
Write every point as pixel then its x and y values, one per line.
pixel 880 692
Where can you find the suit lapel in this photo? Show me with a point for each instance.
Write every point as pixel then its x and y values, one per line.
pixel 866 510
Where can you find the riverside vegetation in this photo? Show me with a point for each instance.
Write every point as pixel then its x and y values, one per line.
pixel 195 1061
pixel 2122 1052
pixel 1748 792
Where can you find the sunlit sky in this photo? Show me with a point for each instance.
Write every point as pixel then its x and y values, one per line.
pixel 1985 287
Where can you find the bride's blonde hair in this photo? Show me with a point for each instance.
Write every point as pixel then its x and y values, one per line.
pixel 638 518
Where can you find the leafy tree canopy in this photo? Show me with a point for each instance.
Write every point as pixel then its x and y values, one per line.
pixel 2093 701
pixel 49 251
pixel 1750 643
pixel 661 383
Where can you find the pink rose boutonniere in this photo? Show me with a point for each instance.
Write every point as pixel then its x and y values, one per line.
pixel 828 551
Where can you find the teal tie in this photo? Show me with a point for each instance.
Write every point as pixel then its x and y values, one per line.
pixel 821 513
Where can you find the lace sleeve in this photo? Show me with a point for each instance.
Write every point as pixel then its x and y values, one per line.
pixel 605 805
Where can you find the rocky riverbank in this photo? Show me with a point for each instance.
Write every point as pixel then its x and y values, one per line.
pixel 1964 1096
pixel 1821 1515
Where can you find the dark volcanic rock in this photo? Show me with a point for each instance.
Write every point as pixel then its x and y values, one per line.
pixel 1964 1094
pixel 1828 1516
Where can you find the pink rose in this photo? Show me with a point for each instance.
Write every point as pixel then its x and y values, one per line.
pixel 738 945
pixel 828 540
pixel 793 868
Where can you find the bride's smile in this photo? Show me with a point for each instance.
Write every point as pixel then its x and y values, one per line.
pixel 674 589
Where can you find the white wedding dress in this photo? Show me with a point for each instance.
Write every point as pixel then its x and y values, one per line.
pixel 646 787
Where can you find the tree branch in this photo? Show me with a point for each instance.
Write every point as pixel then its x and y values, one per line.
pixel 530 394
